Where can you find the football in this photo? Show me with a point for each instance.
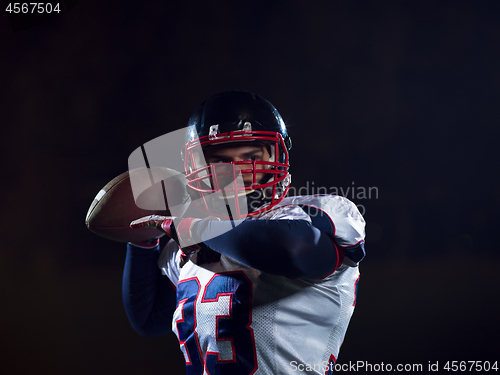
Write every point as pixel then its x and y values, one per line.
pixel 134 194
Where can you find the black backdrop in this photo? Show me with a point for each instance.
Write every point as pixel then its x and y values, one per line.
pixel 400 97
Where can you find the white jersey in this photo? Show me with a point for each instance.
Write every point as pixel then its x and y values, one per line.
pixel 232 319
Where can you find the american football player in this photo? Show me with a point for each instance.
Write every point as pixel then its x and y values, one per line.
pixel 266 284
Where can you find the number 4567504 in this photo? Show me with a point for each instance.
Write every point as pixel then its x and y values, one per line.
pixel 33 8
pixel 471 366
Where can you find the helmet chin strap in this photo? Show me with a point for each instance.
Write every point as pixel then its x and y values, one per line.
pixel 255 200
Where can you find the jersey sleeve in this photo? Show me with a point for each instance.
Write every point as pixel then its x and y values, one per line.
pixel 285 212
pixel 169 261
pixel 148 297
pixel 339 218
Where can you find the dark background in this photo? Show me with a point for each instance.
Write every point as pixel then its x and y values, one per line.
pixel 401 96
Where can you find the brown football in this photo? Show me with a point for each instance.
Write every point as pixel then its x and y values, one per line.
pixel 132 195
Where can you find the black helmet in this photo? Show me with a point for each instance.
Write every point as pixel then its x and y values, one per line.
pixel 230 117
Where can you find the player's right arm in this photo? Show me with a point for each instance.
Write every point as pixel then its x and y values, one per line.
pixel 148 296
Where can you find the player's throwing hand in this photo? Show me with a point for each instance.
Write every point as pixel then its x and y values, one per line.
pixel 163 223
pixel 180 231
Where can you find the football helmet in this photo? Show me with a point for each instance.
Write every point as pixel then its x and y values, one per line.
pixel 235 117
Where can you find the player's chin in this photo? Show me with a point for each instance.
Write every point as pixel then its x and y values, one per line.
pixel 247 180
pixel 247 183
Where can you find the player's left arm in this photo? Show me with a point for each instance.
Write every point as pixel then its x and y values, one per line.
pixel 291 248
pixel 286 247
pixel 340 218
